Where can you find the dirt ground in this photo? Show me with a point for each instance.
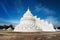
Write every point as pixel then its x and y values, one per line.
pixel 29 35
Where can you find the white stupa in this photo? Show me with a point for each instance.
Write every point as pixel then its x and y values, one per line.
pixel 30 23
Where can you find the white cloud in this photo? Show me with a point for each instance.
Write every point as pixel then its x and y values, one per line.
pixel 43 9
pixel 53 20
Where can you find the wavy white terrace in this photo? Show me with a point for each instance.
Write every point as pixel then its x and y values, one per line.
pixel 30 23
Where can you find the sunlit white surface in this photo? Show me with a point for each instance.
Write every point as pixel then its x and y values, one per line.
pixel 9 29
pixel 30 23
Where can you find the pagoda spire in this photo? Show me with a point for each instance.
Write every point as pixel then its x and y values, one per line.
pixel 28 12
pixel 28 8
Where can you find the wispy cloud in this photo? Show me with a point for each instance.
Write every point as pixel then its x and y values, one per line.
pixel 8 22
pixel 5 10
pixel 43 9
pixel 39 8
pixel 53 20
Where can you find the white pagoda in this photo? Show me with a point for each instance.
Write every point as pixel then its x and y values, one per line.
pixel 30 23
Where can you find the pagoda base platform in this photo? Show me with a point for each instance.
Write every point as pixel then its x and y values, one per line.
pixel 29 35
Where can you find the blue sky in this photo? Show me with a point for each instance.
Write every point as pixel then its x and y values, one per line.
pixel 12 10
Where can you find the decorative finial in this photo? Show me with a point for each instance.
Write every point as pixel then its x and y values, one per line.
pixel 28 7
